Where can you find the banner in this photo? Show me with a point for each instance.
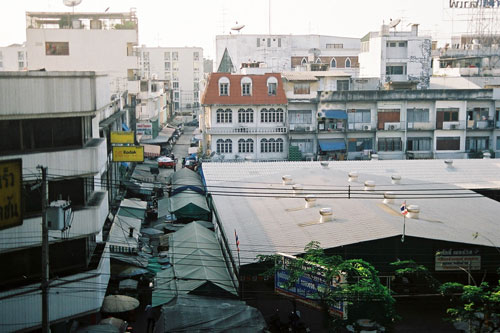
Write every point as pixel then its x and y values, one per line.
pixel 128 154
pixel 11 180
pixel 122 137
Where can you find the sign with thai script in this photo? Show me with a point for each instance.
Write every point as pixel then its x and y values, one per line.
pixel 128 154
pixel 307 287
pixel 11 181
pixel 458 260
pixel 475 4
pixel 122 137
pixel 144 129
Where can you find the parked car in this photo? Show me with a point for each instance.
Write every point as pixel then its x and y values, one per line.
pixel 165 162
pixel 191 164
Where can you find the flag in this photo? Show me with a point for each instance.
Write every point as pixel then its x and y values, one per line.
pixel 237 241
pixel 404 210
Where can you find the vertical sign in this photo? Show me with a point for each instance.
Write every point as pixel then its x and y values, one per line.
pixel 11 180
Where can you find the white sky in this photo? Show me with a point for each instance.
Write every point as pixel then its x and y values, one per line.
pixel 197 22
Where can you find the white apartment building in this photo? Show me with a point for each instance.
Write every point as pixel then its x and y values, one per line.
pixel 52 119
pixel 102 42
pixel 244 117
pixel 279 53
pixel 182 69
pixel 401 59
pixel 13 58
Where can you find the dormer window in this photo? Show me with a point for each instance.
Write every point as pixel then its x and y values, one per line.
pixel 223 86
pixel 246 86
pixel 272 86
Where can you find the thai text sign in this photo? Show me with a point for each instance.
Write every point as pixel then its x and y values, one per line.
pixel 122 137
pixel 11 213
pixel 307 287
pixel 144 129
pixel 457 260
pixel 128 154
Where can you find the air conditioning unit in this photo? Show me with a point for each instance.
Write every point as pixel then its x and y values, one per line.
pixel 410 125
pixel 391 126
pixel 367 127
pixel 292 127
pixel 351 126
pixel 321 114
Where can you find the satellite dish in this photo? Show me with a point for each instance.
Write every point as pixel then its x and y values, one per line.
pixel 238 27
pixel 394 23
pixel 72 3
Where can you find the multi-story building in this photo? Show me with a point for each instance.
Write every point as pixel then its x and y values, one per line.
pixel 51 119
pixel 400 59
pixel 182 69
pixel 279 53
pixel 245 117
pixel 13 58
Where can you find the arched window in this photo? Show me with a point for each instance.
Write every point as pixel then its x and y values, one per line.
pixel 264 116
pixel 333 63
pixel 245 146
pixel 224 146
pixel 348 63
pixel 228 116
pixel 245 116
pixel 304 61
pixel 263 146
pixel 220 115
pixel 279 145
pixel 246 86
pixel 280 115
pixel 223 86
pixel 272 115
pixel 318 60
pixel 272 85
pixel 272 145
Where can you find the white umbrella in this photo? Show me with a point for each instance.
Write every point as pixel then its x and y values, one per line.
pixel 119 303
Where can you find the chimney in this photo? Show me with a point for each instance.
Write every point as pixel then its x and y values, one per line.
pixel 353 176
pixel 131 232
pixel 395 179
pixel 310 200
pixel 326 215
pixel 449 163
pixel 389 197
pixel 287 180
pixel 374 157
pixel 486 155
pixel 297 189
pixel 414 29
pixel 369 185
pixel 324 164
pixel 413 211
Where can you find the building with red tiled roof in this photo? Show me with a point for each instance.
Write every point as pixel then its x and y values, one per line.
pixel 244 117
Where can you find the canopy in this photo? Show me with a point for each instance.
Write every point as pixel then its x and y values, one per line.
pixel 151 150
pixel 160 139
pixel 188 205
pixel 185 179
pixel 191 313
pixel 199 268
pixel 133 208
pixel 119 235
pixel 125 127
pixel 331 145
pixel 335 114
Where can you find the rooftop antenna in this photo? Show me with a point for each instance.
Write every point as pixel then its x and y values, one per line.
pixel 72 3
pixel 238 27
pixel 394 23
pixel 269 11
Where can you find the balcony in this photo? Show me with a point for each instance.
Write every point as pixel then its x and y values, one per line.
pixel 86 220
pixel 420 126
pixel 392 126
pixel 480 124
pixel 451 125
pixel 87 160
pixel 360 127
pixel 302 128
pixel 247 130
pixel 70 296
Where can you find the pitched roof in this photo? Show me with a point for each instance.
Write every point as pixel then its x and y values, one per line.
pixel 259 90
pixel 226 65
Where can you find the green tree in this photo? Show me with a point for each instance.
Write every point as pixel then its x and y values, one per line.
pixel 360 287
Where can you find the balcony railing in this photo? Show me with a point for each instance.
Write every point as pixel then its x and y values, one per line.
pixel 363 127
pixel 451 125
pixel 419 126
pixel 480 124
pixel 247 130
pixel 302 128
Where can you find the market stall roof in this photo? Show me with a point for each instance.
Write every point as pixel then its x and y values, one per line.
pixel 132 208
pixel 189 205
pixel 199 268
pixel 160 139
pixel 151 150
pixel 119 239
pixel 186 179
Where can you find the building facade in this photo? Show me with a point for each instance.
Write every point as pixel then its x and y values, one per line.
pixel 13 58
pixel 245 117
pixel 52 119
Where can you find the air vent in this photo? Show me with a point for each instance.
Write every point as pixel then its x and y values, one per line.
pixel 486 155
pixel 449 163
pixel 297 189
pixel 413 211
pixel 396 179
pixel 353 176
pixel 389 197
pixel 326 215
pixel 374 157
pixel 369 185
pixel 287 180
pixel 324 164
pixel 310 200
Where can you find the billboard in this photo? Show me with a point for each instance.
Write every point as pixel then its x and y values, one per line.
pixel 307 286
pixel 11 181
pixel 128 154
pixel 457 260
pixel 122 137
pixel 145 130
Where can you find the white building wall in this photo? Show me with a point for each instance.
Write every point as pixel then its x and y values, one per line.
pixel 13 58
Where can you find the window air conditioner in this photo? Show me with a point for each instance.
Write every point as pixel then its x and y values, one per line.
pixel 321 114
pixel 351 126
pixel 367 127
pixel 410 125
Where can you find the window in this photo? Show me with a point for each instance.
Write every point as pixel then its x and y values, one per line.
pixel 166 55
pixel 196 95
pixel 303 62
pixel 196 86
pixel 348 63
pixel 333 63
pixel 359 144
pixel 56 48
pixel 279 42
pixel 450 115
pixel 395 69
pixel 176 95
pixel 358 116
pixel 246 86
pixel 223 86
pixel 245 116
pixel 258 42
pixel 175 66
pixel 418 144
pixel 175 55
pixel 272 85
pixel 301 88
pixel 417 115
pixel 334 46
pixel 224 116
pixel 389 144
pixel 271 115
pixel 478 113
pixel 20 55
pixel 342 85
pixel 245 146
pixel 448 143
pixel 175 85
pixel 271 146
pixel 477 144
pixel 224 146
pixel 269 42
pixel 167 66
pixel 300 117
pixel 498 142
pixel 397 44
pixel 196 56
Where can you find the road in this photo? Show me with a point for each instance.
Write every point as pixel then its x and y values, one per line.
pixel 180 150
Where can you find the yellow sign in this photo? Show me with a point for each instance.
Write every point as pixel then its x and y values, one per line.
pixel 11 181
pixel 128 154
pixel 122 137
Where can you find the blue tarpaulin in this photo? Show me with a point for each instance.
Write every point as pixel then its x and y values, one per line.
pixel 335 114
pixel 125 127
pixel 331 145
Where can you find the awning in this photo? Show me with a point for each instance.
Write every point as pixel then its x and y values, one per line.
pixel 160 139
pixel 151 150
pixel 168 132
pixel 335 114
pixel 111 119
pixel 125 127
pixel 331 145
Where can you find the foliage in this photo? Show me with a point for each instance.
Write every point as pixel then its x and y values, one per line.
pixel 127 25
pixel 362 290
pixel 478 305
pixel 416 275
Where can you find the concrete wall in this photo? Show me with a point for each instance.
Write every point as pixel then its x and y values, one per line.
pixel 10 58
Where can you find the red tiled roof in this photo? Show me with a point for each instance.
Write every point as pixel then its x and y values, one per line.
pixel 259 90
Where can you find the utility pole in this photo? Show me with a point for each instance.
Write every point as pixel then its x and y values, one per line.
pixel 45 253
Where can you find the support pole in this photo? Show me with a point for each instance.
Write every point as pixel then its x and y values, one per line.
pixel 45 254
